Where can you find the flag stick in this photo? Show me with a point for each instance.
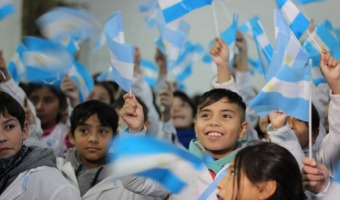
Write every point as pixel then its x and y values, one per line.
pixel 310 143
pixel 3 75
pixel 313 39
pixel 225 11
pixel 215 19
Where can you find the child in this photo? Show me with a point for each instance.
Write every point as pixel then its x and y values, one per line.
pixel 51 106
pixel 93 125
pixel 26 172
pixel 220 123
pixel 262 171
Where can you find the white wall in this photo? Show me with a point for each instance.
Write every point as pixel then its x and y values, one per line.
pixel 202 30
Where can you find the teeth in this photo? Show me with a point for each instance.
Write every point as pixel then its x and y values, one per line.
pixel 214 134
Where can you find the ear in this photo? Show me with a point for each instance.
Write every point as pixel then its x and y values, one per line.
pixel 267 189
pixel 244 128
pixel 71 137
pixel 25 131
pixel 147 124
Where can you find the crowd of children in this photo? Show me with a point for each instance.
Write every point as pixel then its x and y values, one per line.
pixel 54 148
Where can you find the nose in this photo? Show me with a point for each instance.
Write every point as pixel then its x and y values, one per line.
pixel 93 138
pixel 2 138
pixel 39 105
pixel 214 122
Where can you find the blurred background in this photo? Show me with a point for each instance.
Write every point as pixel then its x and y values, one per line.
pixel 202 30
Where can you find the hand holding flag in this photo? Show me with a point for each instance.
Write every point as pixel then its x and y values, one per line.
pixel 330 68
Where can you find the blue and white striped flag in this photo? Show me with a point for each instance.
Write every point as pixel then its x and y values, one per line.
pixel 150 71
pixel 151 13
pixel 174 9
pixel 172 41
pixel 324 38
pixel 171 166
pixel 6 8
pixel 16 67
pixel 288 90
pixel 288 50
pixel 303 2
pixel 83 79
pixel 263 46
pixel 45 61
pixel 183 68
pixel 229 37
pixel 64 22
pixel 122 54
pixel 296 20
pixel 334 31
pixel 246 29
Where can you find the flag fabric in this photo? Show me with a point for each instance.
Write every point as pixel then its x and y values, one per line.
pixel 303 2
pixel 183 68
pixel 40 61
pixel 71 44
pixel 288 90
pixel 6 8
pixel 263 46
pixel 229 37
pixel 171 41
pixel 255 65
pixel 334 31
pixel 68 22
pixel 324 38
pixel 83 79
pixel 170 165
pixel 288 50
pixel 246 29
pixel 296 20
pixel 150 71
pixel 16 67
pixel 151 13
pixel 122 54
pixel 174 9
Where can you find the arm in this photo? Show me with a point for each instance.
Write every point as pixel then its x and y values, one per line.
pixel 142 90
pixel 70 90
pixel 280 133
pixel 328 152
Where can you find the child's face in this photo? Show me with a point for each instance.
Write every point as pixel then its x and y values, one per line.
pixel 218 127
pixel 182 113
pixel 11 136
pixel 91 140
pixel 300 129
pixel 227 187
pixel 99 93
pixel 47 106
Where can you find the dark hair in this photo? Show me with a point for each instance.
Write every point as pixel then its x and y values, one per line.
pixel 31 87
pixel 216 95
pixel 268 161
pixel 118 104
pixel 10 107
pixel 105 113
pixel 184 97
pixel 110 87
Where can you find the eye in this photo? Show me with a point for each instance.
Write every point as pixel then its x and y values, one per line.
pixel 204 115
pixel 104 131
pixel 83 131
pixel 233 172
pixel 9 127
pixel 226 116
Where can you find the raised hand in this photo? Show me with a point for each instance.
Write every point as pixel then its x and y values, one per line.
pixel 166 98
pixel 278 119
pixel 4 75
pixel 132 113
pixel 330 68
pixel 220 52
pixel 70 89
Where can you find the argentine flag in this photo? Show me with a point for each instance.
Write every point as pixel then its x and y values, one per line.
pixel 150 71
pixel 71 22
pixel 170 165
pixel 16 67
pixel 288 90
pixel 122 54
pixel 83 79
pixel 263 46
pixel 6 8
pixel 296 20
pixel 151 13
pixel 174 9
